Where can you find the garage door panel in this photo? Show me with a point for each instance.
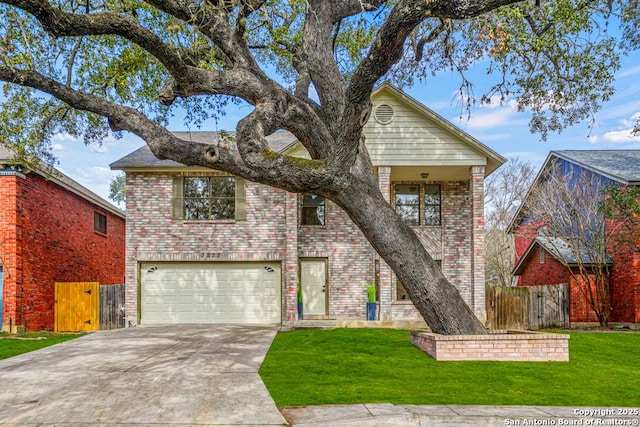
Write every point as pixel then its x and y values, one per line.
pixel 210 293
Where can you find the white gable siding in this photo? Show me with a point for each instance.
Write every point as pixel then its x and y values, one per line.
pixel 413 139
pixel 299 151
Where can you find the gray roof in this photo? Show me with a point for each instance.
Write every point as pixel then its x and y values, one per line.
pixel 144 158
pixel 559 249
pixel 619 165
pixel 57 177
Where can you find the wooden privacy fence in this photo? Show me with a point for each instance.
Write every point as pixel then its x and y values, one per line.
pixel 528 307
pixel 111 306
pixel 88 306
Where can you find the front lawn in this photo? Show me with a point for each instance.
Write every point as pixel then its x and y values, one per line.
pixel 13 345
pixel 340 366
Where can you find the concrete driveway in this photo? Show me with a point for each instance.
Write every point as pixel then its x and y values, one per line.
pixel 169 375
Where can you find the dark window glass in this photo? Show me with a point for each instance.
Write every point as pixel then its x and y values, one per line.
pixel 209 197
pixel 312 210
pixel 99 223
pixel 408 202
pixel 431 205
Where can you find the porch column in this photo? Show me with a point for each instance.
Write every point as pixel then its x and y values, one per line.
pixel 290 260
pixel 385 290
pixel 476 183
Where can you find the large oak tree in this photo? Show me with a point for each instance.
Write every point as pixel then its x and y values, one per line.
pixel 90 67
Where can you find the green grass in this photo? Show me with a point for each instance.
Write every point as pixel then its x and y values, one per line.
pixel 13 345
pixel 340 366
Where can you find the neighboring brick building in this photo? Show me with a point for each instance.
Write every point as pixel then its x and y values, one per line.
pixel 206 247
pixel 537 258
pixel 51 230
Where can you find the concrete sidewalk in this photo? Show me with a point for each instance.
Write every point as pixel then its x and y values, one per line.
pixel 385 414
pixel 170 375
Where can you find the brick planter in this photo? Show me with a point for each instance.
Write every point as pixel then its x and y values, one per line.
pixel 516 346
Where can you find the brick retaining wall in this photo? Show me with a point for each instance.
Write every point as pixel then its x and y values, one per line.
pixel 517 346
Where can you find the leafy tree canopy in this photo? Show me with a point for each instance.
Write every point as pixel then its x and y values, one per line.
pixel 558 58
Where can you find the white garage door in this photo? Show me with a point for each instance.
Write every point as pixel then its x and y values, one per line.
pixel 223 292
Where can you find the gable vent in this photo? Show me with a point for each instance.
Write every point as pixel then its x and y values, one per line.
pixel 384 114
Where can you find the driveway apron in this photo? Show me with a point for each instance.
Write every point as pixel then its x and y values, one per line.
pixel 168 375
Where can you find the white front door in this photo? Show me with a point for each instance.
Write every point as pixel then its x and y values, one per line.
pixel 313 277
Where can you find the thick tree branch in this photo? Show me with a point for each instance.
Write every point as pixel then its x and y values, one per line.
pixel 60 24
pixel 266 167
pixel 320 62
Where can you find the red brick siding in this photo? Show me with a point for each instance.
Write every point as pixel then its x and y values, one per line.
pixel 8 245
pixel 625 276
pixel 579 308
pixel 535 273
pixel 523 236
pixel 552 272
pixel 625 284
pixel 56 242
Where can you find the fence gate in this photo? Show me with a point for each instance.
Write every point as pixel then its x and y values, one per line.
pixel 528 307
pixel 549 306
pixel 507 307
pixel 111 306
pixel 77 306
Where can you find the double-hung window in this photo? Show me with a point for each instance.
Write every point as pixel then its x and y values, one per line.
pixel 208 198
pixel 418 204
pixel 312 209
pixel 99 223
pixel 408 203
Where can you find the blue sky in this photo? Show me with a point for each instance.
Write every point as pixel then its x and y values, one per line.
pixel 500 127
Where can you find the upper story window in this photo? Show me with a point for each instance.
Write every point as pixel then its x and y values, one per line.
pixel 208 198
pixel 99 223
pixel 408 203
pixel 431 204
pixel 418 204
pixel 312 209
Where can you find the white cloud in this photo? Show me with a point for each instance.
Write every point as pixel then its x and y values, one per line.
pixel 497 117
pixel 624 135
pixel 631 121
pixel 65 137
pixel 98 148
pixel 96 178
pixel 628 72
pixel 620 137
pixel 58 147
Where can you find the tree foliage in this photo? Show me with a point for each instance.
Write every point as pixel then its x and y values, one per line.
pixel 569 203
pixel 92 67
pixel 505 190
pixel 118 189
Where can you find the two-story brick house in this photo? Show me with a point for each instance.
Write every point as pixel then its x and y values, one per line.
pixel 206 247
pixel 52 229
pixel 540 259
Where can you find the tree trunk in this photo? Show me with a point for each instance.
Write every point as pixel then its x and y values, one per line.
pixel 437 300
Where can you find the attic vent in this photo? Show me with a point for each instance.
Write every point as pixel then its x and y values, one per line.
pixel 384 114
